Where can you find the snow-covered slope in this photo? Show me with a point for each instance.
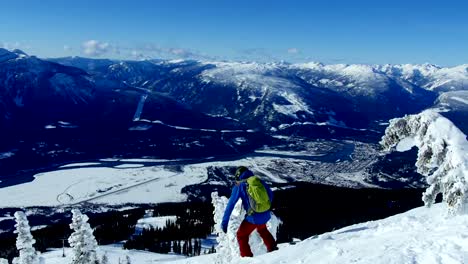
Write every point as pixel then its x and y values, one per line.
pixel 454 101
pixel 430 76
pixel 423 235
pixel 114 254
pixel 420 236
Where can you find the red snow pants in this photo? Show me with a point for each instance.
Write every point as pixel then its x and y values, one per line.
pixel 244 232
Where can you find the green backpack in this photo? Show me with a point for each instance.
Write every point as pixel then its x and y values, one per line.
pixel 259 200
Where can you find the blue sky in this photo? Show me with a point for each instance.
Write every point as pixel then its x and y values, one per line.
pixel 327 31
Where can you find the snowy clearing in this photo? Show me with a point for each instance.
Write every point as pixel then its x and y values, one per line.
pixel 3 218
pixel 114 254
pixel 155 222
pixel 101 185
pixel 142 160
pixel 83 164
pixel 460 100
pixel 126 166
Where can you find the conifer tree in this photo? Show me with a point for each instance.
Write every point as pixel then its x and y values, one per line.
pixel 185 248
pixel 82 240
pixel 190 248
pixel 24 241
pixel 179 247
pixel 127 260
pixel 195 248
pixel 442 155
pixel 104 259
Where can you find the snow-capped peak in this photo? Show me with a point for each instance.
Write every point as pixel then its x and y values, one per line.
pixel 19 52
pixel 6 55
pixel 429 76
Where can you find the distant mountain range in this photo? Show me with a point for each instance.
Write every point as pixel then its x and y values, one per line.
pixel 276 96
pixel 184 108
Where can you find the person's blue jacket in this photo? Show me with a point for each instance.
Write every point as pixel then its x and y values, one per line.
pixel 240 191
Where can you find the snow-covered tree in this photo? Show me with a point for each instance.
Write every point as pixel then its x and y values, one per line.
pixel 442 155
pixel 104 259
pixel 3 261
pixel 82 240
pixel 24 241
pixel 228 246
pixel 127 260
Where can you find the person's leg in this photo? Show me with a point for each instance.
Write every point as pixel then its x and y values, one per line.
pixel 243 234
pixel 268 239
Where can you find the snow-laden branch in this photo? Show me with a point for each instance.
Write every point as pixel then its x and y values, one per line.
pixel 442 155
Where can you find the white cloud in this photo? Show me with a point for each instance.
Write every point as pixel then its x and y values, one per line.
pixel 95 48
pixel 14 45
pixel 153 51
pixel 138 55
pixel 181 53
pixel 293 51
pixel 67 48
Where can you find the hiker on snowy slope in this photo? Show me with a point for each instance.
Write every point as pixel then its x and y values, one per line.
pixel 256 198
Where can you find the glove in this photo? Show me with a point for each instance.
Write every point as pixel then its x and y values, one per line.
pixel 224 227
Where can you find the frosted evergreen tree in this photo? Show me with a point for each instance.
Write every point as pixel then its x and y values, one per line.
pixel 127 260
pixel 24 241
pixel 228 247
pixel 3 261
pixel 82 240
pixel 104 259
pixel 442 155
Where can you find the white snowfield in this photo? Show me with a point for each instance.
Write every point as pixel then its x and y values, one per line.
pixel 102 185
pixel 114 254
pixel 155 222
pixel 119 185
pixel 423 235
pixel 127 183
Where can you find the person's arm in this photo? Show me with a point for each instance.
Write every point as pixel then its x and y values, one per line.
pixel 230 206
